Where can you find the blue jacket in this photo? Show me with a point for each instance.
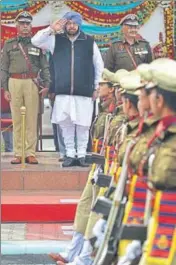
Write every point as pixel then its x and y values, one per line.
pixel 71 66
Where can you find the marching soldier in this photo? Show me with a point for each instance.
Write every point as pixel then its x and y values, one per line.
pixel 162 153
pixel 154 156
pixel 130 108
pixel 21 64
pixel 107 105
pixel 130 51
pixel 83 220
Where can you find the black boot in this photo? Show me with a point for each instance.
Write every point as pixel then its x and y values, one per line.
pixel 81 162
pixel 69 162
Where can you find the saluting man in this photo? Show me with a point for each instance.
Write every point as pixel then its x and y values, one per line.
pixel 21 64
pixel 76 68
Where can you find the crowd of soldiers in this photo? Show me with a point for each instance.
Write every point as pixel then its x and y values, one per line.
pixel 145 117
pixel 127 211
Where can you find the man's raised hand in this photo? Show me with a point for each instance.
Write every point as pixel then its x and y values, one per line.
pixel 58 25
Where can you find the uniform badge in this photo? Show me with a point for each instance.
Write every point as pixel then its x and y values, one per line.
pixel 34 51
pixel 162 242
pixel 25 14
pixel 121 47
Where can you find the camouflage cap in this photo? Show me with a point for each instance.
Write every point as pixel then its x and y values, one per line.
pixel 161 72
pixel 24 17
pixel 130 19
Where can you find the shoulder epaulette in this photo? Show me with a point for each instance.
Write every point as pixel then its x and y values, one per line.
pixel 143 40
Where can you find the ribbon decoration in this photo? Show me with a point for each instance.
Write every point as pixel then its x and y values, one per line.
pixel 10 15
pixel 94 16
pixel 169 29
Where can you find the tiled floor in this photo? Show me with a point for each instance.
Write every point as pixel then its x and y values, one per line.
pixel 27 259
pixel 17 231
pixel 18 240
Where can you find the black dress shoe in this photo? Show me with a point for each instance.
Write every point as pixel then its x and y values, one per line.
pixel 81 162
pixel 69 162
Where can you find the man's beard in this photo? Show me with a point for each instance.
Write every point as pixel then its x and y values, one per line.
pixel 72 34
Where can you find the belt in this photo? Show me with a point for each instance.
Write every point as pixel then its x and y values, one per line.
pixel 23 76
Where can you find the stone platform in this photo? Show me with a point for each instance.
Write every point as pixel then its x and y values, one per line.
pixel 47 175
pixel 40 193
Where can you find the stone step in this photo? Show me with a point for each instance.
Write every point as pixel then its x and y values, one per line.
pixel 47 175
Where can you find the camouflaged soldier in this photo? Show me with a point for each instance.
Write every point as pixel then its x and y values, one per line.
pixel 20 66
pixel 130 51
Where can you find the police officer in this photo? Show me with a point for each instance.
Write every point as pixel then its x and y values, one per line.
pixel 130 50
pixel 107 105
pixel 162 97
pixel 21 63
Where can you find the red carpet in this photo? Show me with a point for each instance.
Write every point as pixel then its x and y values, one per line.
pixel 38 208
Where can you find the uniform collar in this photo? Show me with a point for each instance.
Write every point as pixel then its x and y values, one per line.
pixel 25 40
pixel 125 40
pixel 133 123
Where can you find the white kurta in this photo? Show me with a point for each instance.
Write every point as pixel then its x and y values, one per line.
pixel 78 108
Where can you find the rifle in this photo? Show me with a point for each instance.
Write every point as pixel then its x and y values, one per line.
pixel 108 249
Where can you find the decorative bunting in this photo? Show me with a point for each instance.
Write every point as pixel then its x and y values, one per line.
pixel 104 25
pixel 108 19
pixel 33 8
pixel 169 29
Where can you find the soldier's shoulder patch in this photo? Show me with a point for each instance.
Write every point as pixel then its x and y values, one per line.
pixel 119 44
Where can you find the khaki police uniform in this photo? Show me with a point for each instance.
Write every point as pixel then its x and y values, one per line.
pixel 140 147
pixel 84 207
pixel 129 84
pixel 162 171
pixel 116 122
pixel 117 57
pixel 99 123
pixel 17 79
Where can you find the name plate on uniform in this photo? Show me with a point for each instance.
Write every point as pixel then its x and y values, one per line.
pixel 34 51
